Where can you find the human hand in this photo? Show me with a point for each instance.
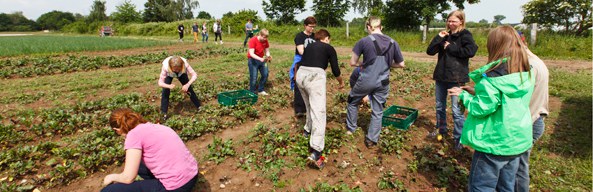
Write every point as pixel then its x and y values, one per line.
pixel 341 85
pixel 171 86
pixel 446 44
pixel 455 91
pixel 269 59
pixel 469 89
pixel 109 179
pixel 185 88
pixel 443 33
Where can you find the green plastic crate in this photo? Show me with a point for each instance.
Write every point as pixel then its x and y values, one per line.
pixel 389 120
pixel 231 98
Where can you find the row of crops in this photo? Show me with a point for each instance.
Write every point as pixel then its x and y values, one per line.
pixel 49 65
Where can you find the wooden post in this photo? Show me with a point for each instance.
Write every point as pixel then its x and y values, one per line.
pixel 347 29
pixel 424 31
pixel 533 38
pixel 229 29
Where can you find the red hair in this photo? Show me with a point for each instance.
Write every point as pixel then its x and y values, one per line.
pixel 125 119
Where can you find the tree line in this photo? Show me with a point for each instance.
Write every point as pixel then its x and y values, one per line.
pixel 574 16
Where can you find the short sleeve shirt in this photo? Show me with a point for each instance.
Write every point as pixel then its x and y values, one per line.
pixel 366 47
pixel 163 153
pixel 259 46
pixel 303 39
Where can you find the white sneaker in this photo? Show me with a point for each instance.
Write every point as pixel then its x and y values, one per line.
pixel 263 93
pixel 216 42
pixel 221 42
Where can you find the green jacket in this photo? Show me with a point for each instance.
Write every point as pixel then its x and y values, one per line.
pixel 498 120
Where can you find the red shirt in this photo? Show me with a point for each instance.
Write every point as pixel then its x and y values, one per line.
pixel 259 46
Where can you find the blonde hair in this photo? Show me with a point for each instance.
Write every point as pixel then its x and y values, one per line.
pixel 461 16
pixel 176 61
pixel 125 119
pixel 374 22
pixel 504 42
pixel 264 32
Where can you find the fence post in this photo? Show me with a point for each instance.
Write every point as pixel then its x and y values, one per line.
pixel 533 38
pixel 229 29
pixel 424 31
pixel 347 30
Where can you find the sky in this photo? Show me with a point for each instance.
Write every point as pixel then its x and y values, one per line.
pixel 32 9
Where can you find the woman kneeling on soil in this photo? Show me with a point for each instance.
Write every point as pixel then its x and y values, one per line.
pixel 310 79
pixel 155 153
pixel 498 125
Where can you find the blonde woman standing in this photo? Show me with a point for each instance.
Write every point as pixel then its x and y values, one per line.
pixel 454 47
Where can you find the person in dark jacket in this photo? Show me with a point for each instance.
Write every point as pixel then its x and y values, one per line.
pixel 454 47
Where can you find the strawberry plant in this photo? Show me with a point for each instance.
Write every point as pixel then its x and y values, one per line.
pixel 218 151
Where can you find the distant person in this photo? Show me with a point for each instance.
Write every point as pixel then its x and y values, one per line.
pixel 204 32
pixel 301 40
pixel 248 31
pixel 155 153
pixel 380 53
pixel 311 80
pixel 538 106
pixel 499 125
pixel 180 29
pixel 176 67
pixel 217 27
pixel 195 31
pixel 258 56
pixel 454 47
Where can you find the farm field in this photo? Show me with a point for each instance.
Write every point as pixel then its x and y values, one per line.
pixel 55 137
pixel 57 44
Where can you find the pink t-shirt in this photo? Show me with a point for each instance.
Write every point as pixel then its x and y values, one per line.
pixel 164 153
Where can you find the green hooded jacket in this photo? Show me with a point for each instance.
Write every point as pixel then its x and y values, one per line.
pixel 498 120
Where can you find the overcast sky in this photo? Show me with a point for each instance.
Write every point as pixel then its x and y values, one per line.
pixel 32 9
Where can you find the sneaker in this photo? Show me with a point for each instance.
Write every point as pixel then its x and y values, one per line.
pixel 306 134
pixel 221 42
pixel 300 115
pixel 317 161
pixel 263 93
pixel 348 132
pixel 369 144
pixel 164 118
pixel 458 145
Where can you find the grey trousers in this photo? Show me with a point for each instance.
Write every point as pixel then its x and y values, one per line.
pixel 378 97
pixel 311 82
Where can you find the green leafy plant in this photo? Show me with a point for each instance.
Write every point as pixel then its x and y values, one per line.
pixel 218 151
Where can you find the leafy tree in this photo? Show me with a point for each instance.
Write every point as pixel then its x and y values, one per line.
pixel 283 11
pixel 204 15
pixel 398 18
pixel 483 21
pixel 97 11
pixel 126 13
pixel 55 20
pixel 573 15
pixel 368 7
pixel 16 22
pixel 423 11
pixel 237 20
pixel 330 12
pixel 169 10
pixel 498 19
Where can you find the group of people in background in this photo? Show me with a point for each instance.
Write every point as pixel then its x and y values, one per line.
pixel 505 108
pixel 203 30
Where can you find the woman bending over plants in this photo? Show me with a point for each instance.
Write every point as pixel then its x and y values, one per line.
pixel 176 67
pixel 153 152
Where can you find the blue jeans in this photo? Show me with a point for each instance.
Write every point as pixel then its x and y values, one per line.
pixel 522 184
pixel 441 104
pixel 150 183
pixel 254 67
pixel 492 172
pixel 204 37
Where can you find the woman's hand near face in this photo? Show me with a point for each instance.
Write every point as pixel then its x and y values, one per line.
pixel 443 34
